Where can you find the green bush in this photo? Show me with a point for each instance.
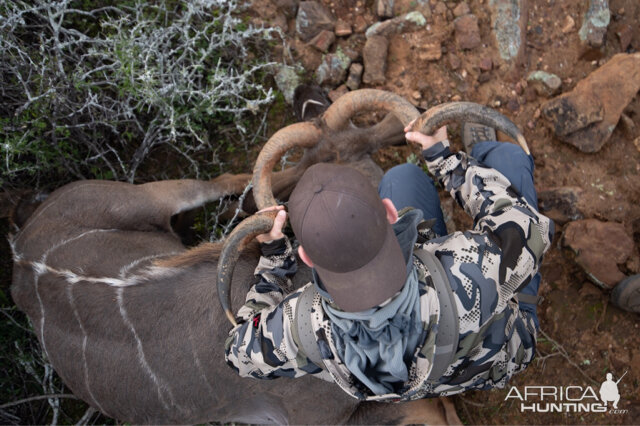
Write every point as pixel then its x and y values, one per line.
pixel 90 88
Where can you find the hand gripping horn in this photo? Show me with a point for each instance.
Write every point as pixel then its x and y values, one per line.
pixel 449 112
pixel 304 135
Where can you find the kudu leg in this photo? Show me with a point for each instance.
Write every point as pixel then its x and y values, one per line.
pixel 145 207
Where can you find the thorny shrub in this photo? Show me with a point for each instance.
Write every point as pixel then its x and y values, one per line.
pixel 90 88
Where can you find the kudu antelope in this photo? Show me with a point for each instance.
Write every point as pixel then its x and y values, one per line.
pixel 128 316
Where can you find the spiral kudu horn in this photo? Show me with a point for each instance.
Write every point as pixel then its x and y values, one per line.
pixel 304 135
pixel 337 116
pixel 442 114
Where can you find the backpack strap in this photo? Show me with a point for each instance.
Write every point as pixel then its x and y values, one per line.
pixel 529 298
pixel 448 325
pixel 302 331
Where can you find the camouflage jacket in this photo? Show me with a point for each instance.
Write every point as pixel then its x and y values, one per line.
pixel 485 267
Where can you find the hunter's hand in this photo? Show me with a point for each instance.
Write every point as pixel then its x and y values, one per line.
pixel 425 141
pixel 278 224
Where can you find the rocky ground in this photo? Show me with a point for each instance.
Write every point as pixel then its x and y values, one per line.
pixel 567 73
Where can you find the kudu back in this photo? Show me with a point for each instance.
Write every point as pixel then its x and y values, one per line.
pixel 130 318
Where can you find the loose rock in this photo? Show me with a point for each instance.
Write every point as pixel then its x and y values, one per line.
pixel 467 32
pixel 430 51
pixel 323 40
pixel 440 9
pixel 401 7
pixel 587 116
pixel 384 8
pixel 355 76
pixel 568 25
pixel 375 59
pixel 596 21
pixel 508 24
pixel 560 204
pixel 486 64
pixel 359 24
pixel 406 23
pixel 287 79
pixel 312 18
pixel 454 61
pixel 599 247
pixel 461 9
pixel 545 84
pixel 342 29
pixel 333 69
pixel 625 35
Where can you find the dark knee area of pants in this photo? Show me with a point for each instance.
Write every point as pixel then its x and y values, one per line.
pixel 407 185
pixel 512 162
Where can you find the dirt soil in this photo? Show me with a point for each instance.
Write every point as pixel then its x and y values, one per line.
pixel 583 336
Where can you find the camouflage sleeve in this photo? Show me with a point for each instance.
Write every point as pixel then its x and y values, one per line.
pixel 275 269
pixel 262 345
pixel 519 233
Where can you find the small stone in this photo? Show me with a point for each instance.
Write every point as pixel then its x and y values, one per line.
pixel 599 247
pixel 546 84
pixel 560 204
pixel 530 94
pixel 430 51
pixel 323 40
pixel 355 76
pixel 456 98
pixel 375 59
pixel 461 9
pixel 484 77
pixel 342 29
pixel 338 92
pixel 454 61
pixel 409 22
pixel 627 125
pixel 467 32
pixel 519 89
pixel 636 142
pixel 568 25
pixel 359 24
pixel 625 35
pixel 312 18
pixel 531 125
pixel 384 8
pixel 416 95
pixel 485 64
pixel 440 9
pixel 513 105
pixel 594 28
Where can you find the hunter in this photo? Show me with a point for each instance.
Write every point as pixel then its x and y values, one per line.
pixel 397 309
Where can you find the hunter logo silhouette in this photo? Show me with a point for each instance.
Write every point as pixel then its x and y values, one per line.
pixel 609 390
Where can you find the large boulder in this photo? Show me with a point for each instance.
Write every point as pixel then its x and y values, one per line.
pixel 587 116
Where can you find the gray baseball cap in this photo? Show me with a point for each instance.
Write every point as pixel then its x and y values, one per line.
pixel 339 219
